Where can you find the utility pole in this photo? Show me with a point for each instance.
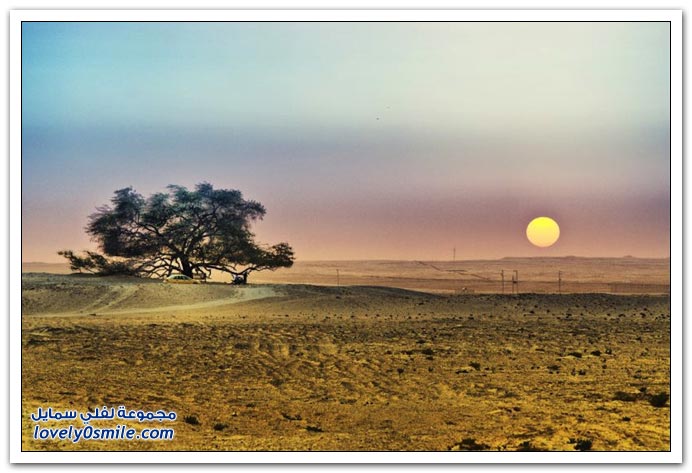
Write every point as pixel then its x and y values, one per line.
pixel 454 254
pixel 502 274
pixel 559 282
pixel 337 277
pixel 515 281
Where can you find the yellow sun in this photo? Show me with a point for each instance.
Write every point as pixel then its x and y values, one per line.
pixel 543 232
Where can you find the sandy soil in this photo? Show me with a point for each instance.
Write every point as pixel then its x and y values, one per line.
pixel 540 275
pixel 300 367
pixel 56 295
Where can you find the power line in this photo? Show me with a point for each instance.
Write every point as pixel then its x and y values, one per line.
pixel 457 271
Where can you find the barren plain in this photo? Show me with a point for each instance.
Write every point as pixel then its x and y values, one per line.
pixel 312 366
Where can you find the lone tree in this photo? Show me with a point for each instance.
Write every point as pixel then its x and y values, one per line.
pixel 189 232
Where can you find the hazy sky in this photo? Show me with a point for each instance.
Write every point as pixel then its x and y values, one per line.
pixel 363 140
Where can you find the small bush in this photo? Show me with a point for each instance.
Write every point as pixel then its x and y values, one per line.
pixel 527 446
pixel 469 444
pixel 575 354
pixel 276 382
pixel 220 426
pixel 625 397
pixel 583 445
pixel 659 400
pixel 192 420
pixel 312 428
pixel 475 365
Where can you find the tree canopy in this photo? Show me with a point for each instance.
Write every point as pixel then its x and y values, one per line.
pixel 190 232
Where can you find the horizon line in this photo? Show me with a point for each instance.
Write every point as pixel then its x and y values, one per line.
pixel 446 260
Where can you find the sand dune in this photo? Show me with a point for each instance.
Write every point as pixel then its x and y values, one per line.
pixel 79 295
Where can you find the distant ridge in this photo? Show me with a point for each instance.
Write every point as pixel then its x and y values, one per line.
pixel 572 257
pixel 504 258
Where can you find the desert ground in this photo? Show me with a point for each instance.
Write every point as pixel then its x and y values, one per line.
pixel 294 362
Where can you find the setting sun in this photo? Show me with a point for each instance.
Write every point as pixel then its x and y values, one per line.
pixel 543 232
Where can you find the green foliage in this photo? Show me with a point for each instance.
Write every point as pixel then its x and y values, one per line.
pixel 96 263
pixel 179 231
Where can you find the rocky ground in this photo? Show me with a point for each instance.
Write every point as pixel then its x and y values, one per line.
pixel 300 367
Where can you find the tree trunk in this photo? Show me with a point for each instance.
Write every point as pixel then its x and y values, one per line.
pixel 187 268
pixel 240 278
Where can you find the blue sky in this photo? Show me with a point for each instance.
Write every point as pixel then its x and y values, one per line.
pixel 363 140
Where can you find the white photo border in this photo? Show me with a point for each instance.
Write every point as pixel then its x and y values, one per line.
pixel 673 16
